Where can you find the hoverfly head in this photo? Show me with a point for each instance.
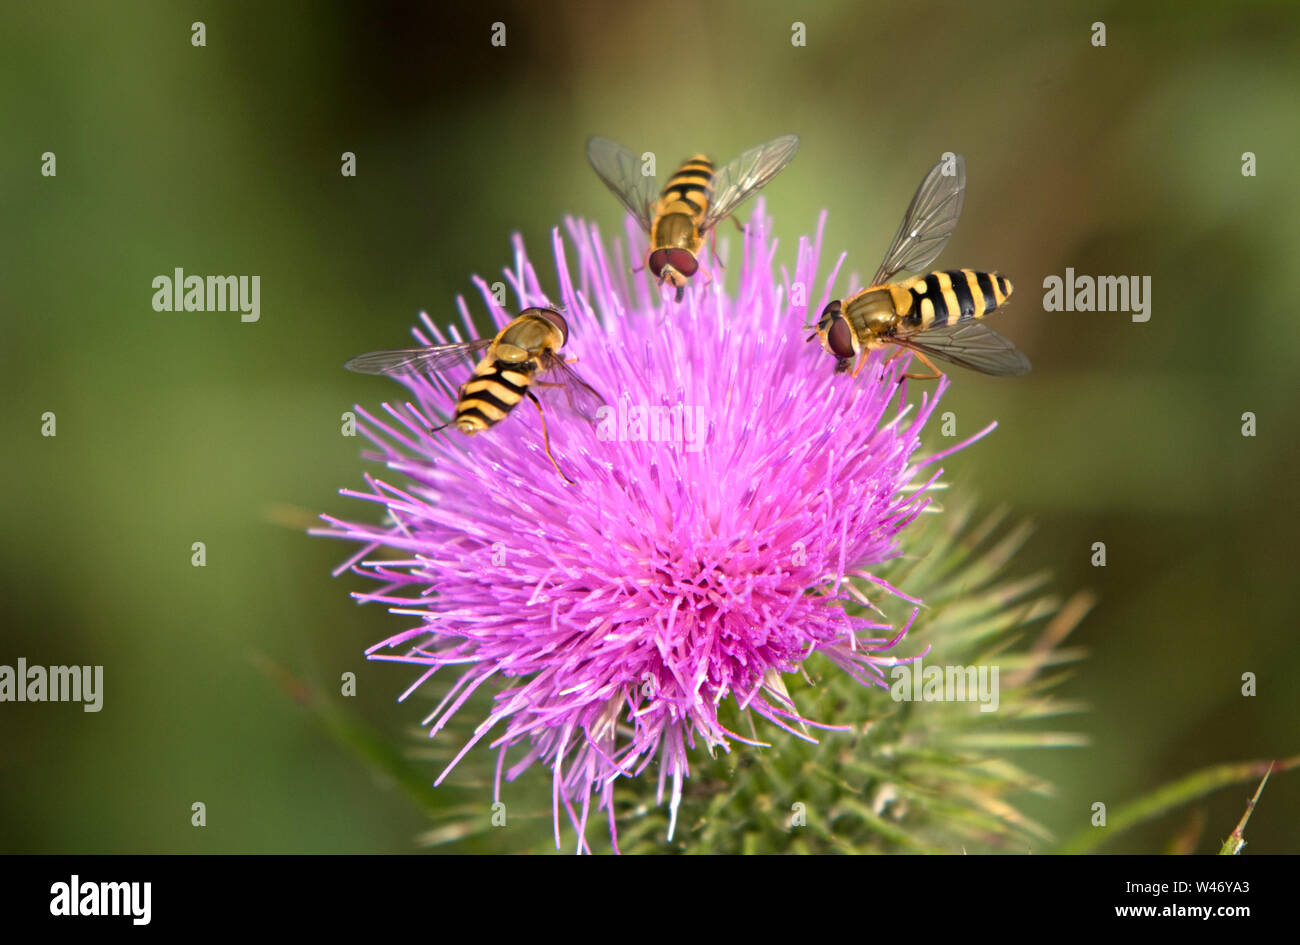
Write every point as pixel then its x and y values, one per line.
pixel 836 334
pixel 829 314
pixel 673 267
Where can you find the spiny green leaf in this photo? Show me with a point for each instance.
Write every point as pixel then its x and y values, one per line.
pixel 1166 798
pixel 1237 841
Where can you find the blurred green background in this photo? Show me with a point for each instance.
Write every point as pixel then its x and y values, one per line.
pixel 183 427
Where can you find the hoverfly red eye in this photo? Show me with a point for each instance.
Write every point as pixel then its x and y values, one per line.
pixel 658 259
pixel 683 261
pixel 829 314
pixel 840 339
pixel 556 319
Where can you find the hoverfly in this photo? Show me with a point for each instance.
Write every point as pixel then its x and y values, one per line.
pixel 521 353
pixel 934 315
pixel 693 201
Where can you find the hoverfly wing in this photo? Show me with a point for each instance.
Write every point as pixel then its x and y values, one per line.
pixel 426 360
pixel 584 399
pixel 739 180
pixel 620 170
pixel 969 344
pixel 930 219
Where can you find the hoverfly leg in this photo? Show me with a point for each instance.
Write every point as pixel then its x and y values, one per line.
pixel 546 438
pixel 567 393
pixel 892 354
pixel 934 374
pixel 713 248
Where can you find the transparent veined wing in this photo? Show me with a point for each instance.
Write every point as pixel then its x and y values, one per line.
pixel 620 169
pixel 427 360
pixel 971 344
pixel 740 179
pixel 930 219
pixel 581 396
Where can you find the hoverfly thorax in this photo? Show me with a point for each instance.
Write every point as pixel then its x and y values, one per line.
pixel 676 230
pixel 873 312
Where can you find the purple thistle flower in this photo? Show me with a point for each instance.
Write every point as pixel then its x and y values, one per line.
pixel 730 494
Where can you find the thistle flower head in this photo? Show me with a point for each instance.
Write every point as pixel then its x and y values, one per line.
pixel 730 489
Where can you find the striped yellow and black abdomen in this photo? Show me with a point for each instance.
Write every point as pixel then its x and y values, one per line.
pixel 494 390
pixel 947 296
pixel 691 185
